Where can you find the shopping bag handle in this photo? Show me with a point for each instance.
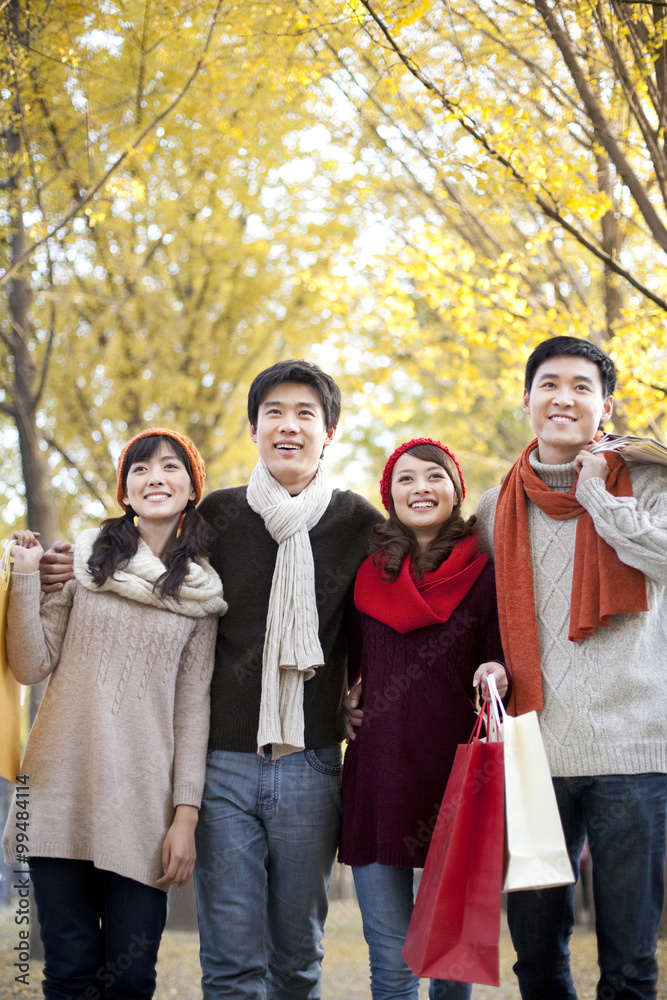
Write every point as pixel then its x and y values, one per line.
pixel 477 728
pixel 488 714
pixel 7 560
pixel 496 700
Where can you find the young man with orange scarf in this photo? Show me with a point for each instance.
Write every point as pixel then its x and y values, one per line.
pixel 580 547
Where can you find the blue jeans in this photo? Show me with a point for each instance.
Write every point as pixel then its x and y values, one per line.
pixel 266 842
pixel 624 818
pixel 101 931
pixel 386 898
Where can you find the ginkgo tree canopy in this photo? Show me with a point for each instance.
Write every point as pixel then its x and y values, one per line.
pixel 415 193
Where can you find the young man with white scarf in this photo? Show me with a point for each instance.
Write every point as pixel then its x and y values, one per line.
pixel 287 547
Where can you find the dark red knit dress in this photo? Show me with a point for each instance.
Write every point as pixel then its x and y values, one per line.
pixel 418 706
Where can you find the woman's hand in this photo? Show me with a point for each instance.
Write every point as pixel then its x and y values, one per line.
pixel 498 673
pixel 27 552
pixel 178 848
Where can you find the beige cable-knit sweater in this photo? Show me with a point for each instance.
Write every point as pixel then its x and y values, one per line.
pixel 120 737
pixel 605 699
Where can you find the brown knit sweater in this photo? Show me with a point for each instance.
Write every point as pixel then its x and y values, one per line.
pixel 120 738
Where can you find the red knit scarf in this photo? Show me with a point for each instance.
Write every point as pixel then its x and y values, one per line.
pixel 602 585
pixel 407 604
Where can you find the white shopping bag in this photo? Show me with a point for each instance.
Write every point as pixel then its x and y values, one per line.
pixel 536 854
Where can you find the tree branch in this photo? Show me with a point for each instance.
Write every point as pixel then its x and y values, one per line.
pixel 601 126
pixel 652 385
pixel 9 410
pixel 7 340
pixel 476 434
pixel 47 357
pixel 556 92
pixel 632 96
pixel 121 159
pixel 473 129
pixel 77 468
pixel 456 198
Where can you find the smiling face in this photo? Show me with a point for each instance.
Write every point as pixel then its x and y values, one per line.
pixel 158 488
pixel 423 495
pixel 291 433
pixel 566 405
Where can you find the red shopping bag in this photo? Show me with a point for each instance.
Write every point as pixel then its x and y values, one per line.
pixel 455 926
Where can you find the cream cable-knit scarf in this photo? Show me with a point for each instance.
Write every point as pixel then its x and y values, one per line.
pixel 201 593
pixel 292 649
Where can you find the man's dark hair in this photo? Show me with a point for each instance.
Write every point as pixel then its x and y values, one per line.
pixel 303 373
pixel 557 347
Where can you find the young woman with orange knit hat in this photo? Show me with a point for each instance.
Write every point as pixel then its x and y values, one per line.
pixel 430 636
pixel 116 757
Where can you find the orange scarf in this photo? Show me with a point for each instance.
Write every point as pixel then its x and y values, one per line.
pixel 602 585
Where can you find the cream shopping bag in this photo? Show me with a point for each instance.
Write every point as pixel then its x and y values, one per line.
pixel 10 689
pixel 537 857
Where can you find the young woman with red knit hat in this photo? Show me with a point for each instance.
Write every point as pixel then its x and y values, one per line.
pixel 116 758
pixel 430 636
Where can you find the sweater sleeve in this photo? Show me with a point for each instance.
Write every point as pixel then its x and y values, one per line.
pixel 354 640
pixel 486 514
pixel 636 526
pixel 35 631
pixel 192 712
pixel 490 643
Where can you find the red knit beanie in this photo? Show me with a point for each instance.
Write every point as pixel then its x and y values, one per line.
pixel 197 468
pixel 385 482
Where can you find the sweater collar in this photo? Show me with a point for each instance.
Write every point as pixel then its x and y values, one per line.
pixel 200 594
pixel 556 477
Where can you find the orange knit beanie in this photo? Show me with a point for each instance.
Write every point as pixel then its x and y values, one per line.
pixel 197 468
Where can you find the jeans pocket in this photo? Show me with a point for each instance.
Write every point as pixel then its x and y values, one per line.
pixel 327 760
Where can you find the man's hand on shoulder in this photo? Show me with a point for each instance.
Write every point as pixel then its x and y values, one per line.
pixel 591 466
pixel 354 712
pixel 56 566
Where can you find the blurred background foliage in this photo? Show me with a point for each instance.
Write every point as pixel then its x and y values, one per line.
pixel 411 194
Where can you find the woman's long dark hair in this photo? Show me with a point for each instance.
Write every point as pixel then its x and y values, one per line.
pixel 118 539
pixel 392 540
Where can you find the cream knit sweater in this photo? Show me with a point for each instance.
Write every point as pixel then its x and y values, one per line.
pixel 605 699
pixel 120 738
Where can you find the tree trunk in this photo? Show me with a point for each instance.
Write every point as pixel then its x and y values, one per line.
pixel 614 296
pixel 614 293
pixel 42 514
pixel 27 380
pixel 41 508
